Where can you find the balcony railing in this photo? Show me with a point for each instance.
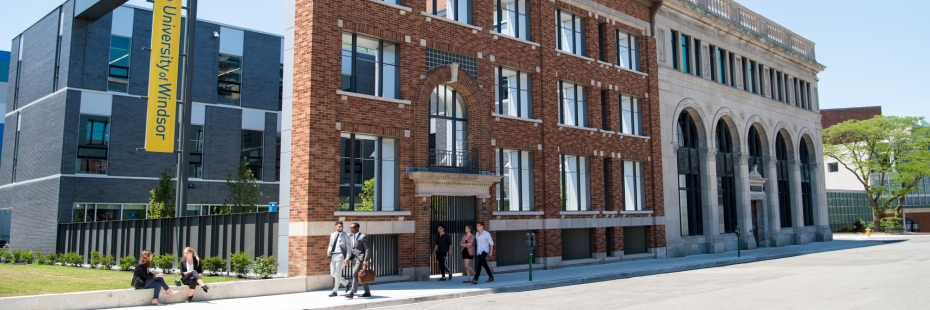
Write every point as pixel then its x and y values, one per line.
pixel 453 161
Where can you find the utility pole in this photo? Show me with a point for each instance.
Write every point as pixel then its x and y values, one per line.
pixel 184 125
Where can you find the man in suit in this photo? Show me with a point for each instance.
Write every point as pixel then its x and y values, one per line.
pixel 360 252
pixel 337 251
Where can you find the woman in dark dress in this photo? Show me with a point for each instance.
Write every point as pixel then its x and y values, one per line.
pixel 191 269
pixel 468 252
pixel 143 277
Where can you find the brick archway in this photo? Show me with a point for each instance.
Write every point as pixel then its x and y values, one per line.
pixel 477 107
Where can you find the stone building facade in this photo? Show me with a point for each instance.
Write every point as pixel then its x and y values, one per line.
pixel 531 116
pixel 740 128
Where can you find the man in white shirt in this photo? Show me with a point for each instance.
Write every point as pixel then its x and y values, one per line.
pixel 336 251
pixel 485 249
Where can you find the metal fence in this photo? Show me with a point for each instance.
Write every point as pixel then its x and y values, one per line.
pixel 511 247
pixel 847 208
pixel 209 235
pixel 383 259
pixel 454 161
pixel 453 213
pixel 634 240
pixel 576 244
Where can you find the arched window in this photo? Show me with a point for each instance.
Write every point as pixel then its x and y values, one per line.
pixel 806 186
pixel 726 178
pixel 784 191
pixel 689 177
pixel 448 129
pixel 755 151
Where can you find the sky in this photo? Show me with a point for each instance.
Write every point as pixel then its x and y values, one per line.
pixel 873 50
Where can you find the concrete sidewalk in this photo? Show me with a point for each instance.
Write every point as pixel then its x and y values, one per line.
pixel 401 293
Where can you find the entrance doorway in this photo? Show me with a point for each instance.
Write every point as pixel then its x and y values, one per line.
pixel 755 220
pixel 453 213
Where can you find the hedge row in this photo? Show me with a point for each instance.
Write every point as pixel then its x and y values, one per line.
pixel 263 266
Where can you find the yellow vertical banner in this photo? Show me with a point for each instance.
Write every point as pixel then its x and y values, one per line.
pixel 161 120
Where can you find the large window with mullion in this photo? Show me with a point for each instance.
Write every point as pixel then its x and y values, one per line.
pixel 118 75
pixel 229 79
pixel 575 183
pixel 514 93
pixel 457 10
pixel 807 188
pixel 195 169
pixel 720 59
pixel 93 144
pixel 369 180
pixel 631 115
pixel 369 66
pixel 726 178
pixel 685 44
pixel 252 142
pixel 570 33
pixel 511 18
pixel 634 189
pixel 515 191
pixel 755 152
pixel 573 104
pixel 628 50
pixel 783 175
pixel 689 177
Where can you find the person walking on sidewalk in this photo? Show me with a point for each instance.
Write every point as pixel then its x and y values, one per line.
pixel 336 252
pixel 485 250
pixel 191 270
pixel 360 252
pixel 443 250
pixel 143 277
pixel 468 252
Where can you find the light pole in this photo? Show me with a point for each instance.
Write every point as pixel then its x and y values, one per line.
pixel 184 123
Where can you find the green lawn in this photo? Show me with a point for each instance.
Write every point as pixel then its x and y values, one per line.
pixel 24 280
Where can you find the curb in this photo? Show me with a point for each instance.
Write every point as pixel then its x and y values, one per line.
pixel 601 277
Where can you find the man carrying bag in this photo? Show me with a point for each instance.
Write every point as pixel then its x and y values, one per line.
pixel 360 252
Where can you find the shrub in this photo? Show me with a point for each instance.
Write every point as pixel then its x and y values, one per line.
pixel 127 262
pixel 240 263
pixel 266 266
pixel 22 257
pixel 107 262
pixel 891 222
pixel 73 259
pixel 164 262
pixel 859 226
pixel 52 259
pixel 214 264
pixel 94 259
pixel 845 228
pixel 6 257
pixel 42 259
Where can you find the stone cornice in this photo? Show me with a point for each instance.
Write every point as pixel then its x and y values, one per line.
pixel 452 184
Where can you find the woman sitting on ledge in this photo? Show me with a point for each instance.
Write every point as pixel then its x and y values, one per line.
pixel 143 277
pixel 191 269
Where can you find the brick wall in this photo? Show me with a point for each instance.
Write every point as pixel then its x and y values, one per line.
pixel 830 117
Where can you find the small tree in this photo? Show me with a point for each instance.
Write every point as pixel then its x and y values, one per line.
pixel 161 203
pixel 243 191
pixel 368 196
pixel 239 263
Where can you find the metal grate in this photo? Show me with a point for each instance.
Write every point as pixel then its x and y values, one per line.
pixel 634 240
pixel 511 248
pixel 576 244
pixel 453 213
pixel 383 259
pixel 436 57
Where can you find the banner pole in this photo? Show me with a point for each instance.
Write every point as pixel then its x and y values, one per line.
pixel 185 120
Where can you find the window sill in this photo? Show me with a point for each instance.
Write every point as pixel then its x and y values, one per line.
pixel 633 71
pixel 633 136
pixel 371 213
pixel 393 5
pixel 579 212
pixel 605 63
pixel 513 38
pixel 560 52
pixel 428 15
pixel 517 213
pixel 532 120
pixel 611 132
pixel 609 212
pixel 636 212
pixel 577 127
pixel 345 93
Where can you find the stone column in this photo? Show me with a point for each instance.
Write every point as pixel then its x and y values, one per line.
pixel 743 200
pixel 772 219
pixel 821 217
pixel 797 201
pixel 710 209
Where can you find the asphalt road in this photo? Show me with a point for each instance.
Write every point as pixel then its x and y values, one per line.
pixel 889 276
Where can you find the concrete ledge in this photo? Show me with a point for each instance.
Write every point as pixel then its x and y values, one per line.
pixel 143 297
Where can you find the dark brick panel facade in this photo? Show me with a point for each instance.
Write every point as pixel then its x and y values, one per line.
pixel 222 142
pixel 38 62
pixel 259 83
pixel 127 137
pixel 830 117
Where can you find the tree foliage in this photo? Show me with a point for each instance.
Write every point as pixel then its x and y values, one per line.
pixel 889 155
pixel 243 191
pixel 161 203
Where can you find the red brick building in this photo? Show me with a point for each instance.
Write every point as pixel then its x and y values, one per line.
pixel 531 116
pixel 830 117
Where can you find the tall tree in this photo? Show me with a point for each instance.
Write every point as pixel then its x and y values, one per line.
pixel 243 191
pixel 889 155
pixel 161 203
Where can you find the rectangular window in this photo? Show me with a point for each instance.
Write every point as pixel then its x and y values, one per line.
pixel 833 167
pixel 93 144
pixel 19 120
pixel 676 62
pixel 761 74
pixel 773 84
pixel 277 159
pixel 631 115
pixel 369 173
pixel 252 151
pixel 803 95
pixel 810 104
pixel 229 79
pixel 118 79
pixel 608 185
pixel 281 88
pixel 195 169
pixel 369 66
pixel 721 66
pixel 634 192
pixel 714 72
pixel 514 92
pixel 575 183
pixel 515 191
pixel 753 77
pixel 61 17
pixel 797 90
pixel 685 53
pixel 605 121
pixel 730 64
pixel 457 10
pixel 698 60
pixel 781 87
pixel 600 41
pixel 628 51
pixel 134 212
pixel 570 36
pixel 89 212
pixel 19 71
pixel 511 18
pixel 744 64
pixel 573 104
